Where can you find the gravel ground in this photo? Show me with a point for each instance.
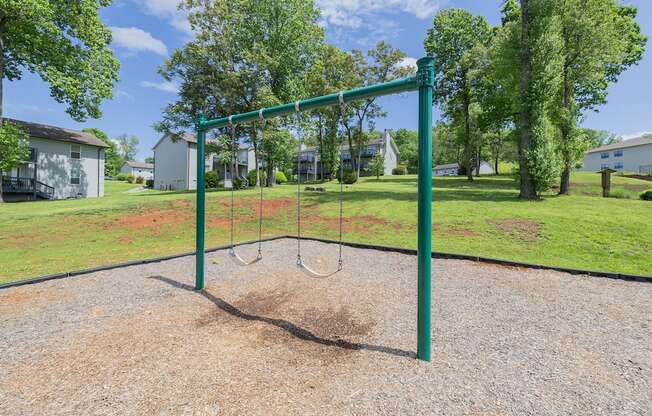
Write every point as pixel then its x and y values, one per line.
pixel 267 339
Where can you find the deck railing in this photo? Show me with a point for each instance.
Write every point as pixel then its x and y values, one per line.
pixel 12 184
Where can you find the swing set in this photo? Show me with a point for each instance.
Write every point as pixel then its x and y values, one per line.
pixel 424 83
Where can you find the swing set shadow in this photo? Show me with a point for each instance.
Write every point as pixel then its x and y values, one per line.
pixel 285 325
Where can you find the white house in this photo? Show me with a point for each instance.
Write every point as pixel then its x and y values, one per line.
pixel 62 163
pixel 452 169
pixel 142 169
pixel 634 155
pixel 175 163
pixel 312 169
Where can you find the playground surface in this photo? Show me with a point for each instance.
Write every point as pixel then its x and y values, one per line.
pixel 267 339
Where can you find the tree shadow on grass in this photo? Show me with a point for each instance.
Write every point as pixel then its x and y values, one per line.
pixel 287 326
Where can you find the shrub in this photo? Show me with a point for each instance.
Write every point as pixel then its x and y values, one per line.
pixel 237 183
pixel 140 180
pixel 647 195
pixel 121 177
pixel 130 178
pixel 350 177
pixel 399 170
pixel 149 183
pixel 621 193
pixel 251 177
pixel 281 178
pixel 211 179
pixel 412 170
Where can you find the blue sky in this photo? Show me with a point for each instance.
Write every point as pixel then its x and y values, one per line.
pixel 146 31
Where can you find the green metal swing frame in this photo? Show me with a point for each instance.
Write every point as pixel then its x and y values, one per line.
pixel 423 82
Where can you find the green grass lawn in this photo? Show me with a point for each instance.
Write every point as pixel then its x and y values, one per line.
pixel 482 218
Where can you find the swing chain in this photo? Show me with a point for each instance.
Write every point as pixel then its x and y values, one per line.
pixel 342 115
pixel 300 135
pixel 231 129
pixel 263 123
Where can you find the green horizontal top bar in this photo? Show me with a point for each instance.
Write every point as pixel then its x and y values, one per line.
pixel 391 87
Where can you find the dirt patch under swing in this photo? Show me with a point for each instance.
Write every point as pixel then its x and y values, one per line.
pixel 520 228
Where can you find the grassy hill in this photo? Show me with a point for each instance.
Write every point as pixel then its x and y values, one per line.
pixel 482 218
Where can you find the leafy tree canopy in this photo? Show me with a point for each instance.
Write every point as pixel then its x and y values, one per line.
pixel 66 44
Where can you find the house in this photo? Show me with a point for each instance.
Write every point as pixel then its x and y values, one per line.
pixel 312 168
pixel 175 163
pixel 634 155
pixel 452 169
pixel 62 163
pixel 142 169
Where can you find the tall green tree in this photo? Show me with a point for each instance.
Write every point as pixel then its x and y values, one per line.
pixel 66 44
pixel 13 148
pixel 457 41
pixel 381 64
pixel 333 71
pixel 112 160
pixel 246 54
pixel 407 142
pixel 127 146
pixel 600 40
pixel 277 150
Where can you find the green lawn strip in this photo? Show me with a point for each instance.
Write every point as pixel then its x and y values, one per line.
pixel 482 218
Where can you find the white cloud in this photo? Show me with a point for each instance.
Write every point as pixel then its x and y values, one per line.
pixel 636 135
pixel 166 86
pixel 136 40
pixel 352 13
pixel 408 61
pixel 168 10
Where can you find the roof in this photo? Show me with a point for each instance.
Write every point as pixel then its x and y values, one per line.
pixel 639 141
pixel 139 165
pixel 191 138
pixel 448 166
pixel 43 131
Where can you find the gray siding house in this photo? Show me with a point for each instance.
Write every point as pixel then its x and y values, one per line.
pixel 142 169
pixel 62 163
pixel 452 169
pixel 175 163
pixel 634 155
pixel 312 169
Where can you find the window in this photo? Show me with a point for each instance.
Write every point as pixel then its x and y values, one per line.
pixel 604 166
pixel 75 151
pixel 618 165
pixel 604 155
pixel 618 153
pixel 74 176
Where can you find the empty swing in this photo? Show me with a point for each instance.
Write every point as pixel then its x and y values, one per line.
pixel 300 263
pixel 234 255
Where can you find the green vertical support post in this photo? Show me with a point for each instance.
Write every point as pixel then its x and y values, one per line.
pixel 201 203
pixel 425 82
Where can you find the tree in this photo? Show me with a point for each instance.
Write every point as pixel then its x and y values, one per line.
pixel 66 44
pixel 13 148
pixel 112 160
pixel 246 54
pixel 600 40
pixel 598 138
pixel 149 159
pixel 333 71
pixel 457 41
pixel 127 146
pixel 377 165
pixel 407 142
pixel 277 150
pixel 381 64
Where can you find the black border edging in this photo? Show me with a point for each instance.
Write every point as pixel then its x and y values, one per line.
pixel 408 251
pixel 479 259
pixel 126 264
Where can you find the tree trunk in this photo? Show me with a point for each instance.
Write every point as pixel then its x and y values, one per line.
pixel 527 188
pixel 468 151
pixel 564 185
pixel 2 77
pixel 350 139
